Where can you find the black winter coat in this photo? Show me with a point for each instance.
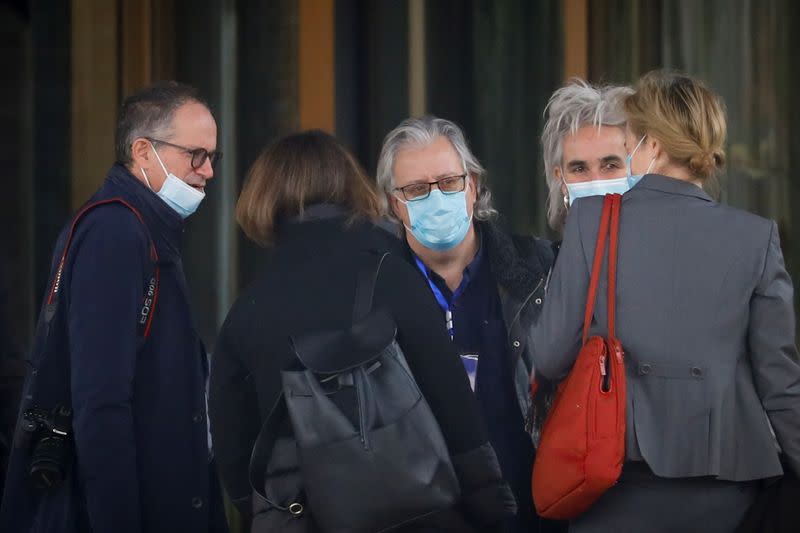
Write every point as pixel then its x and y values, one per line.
pixel 140 432
pixel 308 284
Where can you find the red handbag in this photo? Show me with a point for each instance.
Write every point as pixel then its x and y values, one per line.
pixel 582 446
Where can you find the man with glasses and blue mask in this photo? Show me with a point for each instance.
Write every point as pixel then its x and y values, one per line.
pixel 130 397
pixel 583 146
pixel 489 284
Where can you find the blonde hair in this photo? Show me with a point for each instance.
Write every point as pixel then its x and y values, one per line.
pixel 685 116
pixel 297 171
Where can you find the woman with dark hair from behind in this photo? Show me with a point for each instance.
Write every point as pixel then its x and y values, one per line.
pixel 308 200
pixel 705 316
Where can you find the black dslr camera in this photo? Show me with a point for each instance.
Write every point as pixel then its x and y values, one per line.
pixel 50 434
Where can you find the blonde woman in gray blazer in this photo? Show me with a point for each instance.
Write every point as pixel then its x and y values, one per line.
pixel 705 314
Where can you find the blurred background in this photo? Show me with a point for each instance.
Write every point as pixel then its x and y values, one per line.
pixel 356 68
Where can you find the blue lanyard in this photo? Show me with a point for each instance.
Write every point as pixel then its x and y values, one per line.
pixel 440 298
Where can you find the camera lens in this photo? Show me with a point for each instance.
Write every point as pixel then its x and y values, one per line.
pixel 47 462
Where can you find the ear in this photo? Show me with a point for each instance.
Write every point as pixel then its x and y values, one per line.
pixel 655 146
pixel 394 203
pixel 473 188
pixel 141 153
pixel 559 177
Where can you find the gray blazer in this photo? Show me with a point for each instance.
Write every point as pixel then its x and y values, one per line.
pixel 705 315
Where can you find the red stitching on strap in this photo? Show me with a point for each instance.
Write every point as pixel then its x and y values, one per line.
pixel 56 283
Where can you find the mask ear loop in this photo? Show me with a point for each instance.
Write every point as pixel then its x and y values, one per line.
pixel 145 173
pixel 397 197
pixel 404 202
pixel 629 158
pixel 166 174
pixel 145 179
pixel 468 179
pixel 650 166
pixel 566 194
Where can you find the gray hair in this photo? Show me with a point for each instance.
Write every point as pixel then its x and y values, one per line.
pixel 149 113
pixel 572 107
pixel 422 132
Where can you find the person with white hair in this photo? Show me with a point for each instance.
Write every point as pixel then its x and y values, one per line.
pixel 583 146
pixel 489 285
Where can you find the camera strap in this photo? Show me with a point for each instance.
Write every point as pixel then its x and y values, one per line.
pixel 150 297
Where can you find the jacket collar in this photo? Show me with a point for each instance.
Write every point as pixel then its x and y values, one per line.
pixel 291 225
pixel 657 182
pixel 517 266
pixel 319 212
pixel 165 225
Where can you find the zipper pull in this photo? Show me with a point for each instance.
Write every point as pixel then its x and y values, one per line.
pixel 529 420
pixel 602 365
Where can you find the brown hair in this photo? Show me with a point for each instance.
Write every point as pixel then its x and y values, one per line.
pixel 687 118
pixel 299 170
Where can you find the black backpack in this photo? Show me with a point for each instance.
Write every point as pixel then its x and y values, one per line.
pixel 365 453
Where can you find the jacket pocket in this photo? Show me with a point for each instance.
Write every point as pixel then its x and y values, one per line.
pixel 672 417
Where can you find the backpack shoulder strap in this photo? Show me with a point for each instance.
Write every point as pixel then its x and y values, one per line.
pixel 262 451
pixel 365 286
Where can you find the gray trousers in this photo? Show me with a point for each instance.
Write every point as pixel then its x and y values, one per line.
pixel 643 503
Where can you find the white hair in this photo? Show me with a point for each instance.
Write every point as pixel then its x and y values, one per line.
pixel 422 132
pixel 572 107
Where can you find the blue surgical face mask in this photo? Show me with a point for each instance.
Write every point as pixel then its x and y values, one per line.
pixel 597 188
pixel 440 221
pixel 634 179
pixel 179 195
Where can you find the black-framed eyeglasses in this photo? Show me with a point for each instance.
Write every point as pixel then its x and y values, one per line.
pixel 420 191
pixel 199 155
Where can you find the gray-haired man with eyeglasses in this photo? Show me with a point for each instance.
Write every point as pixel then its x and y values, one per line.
pixel 489 284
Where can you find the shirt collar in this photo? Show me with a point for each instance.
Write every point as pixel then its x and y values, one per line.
pixel 470 271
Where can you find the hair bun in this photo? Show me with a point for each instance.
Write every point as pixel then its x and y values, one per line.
pixel 719 159
pixel 704 165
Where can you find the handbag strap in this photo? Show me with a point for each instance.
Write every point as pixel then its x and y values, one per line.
pixel 609 225
pixel 613 245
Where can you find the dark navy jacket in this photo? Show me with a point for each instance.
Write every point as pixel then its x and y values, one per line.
pixel 139 419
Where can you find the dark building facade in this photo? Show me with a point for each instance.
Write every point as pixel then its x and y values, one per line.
pixel 356 68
